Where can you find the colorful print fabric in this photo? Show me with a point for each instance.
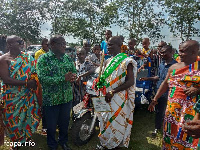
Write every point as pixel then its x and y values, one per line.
pixel 20 106
pixel 180 108
pixel 1 122
pixel 83 68
pixel 51 72
pixel 92 58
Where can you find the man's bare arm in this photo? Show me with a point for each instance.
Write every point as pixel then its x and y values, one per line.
pixel 129 81
pixel 163 87
pixel 155 78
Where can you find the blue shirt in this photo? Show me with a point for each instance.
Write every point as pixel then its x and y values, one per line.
pixel 162 73
pixel 105 49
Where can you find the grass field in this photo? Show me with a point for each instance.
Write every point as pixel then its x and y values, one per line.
pixel 141 138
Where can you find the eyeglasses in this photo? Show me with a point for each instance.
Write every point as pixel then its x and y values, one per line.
pixel 20 42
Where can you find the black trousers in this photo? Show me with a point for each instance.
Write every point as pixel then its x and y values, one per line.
pixel 44 124
pixel 160 112
pixel 57 115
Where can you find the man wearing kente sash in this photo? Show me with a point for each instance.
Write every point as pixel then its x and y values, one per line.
pixel 20 104
pixel 183 81
pixel 118 84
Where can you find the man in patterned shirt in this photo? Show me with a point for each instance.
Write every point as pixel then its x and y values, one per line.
pixel 84 69
pixel 183 81
pixel 38 54
pixel 56 71
pixel 90 56
pixel 96 50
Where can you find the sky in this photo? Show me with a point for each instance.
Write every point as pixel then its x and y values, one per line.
pixel 169 38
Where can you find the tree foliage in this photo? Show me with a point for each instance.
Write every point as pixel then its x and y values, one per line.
pixel 183 16
pixel 81 19
pixel 22 18
pixel 88 19
pixel 139 19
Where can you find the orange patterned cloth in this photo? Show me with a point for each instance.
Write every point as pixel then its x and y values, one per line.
pixel 21 112
pixel 38 91
pixel 180 108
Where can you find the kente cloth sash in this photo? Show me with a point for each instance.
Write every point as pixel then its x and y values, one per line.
pixel 114 116
pixel 21 111
pixel 115 62
pixel 115 126
pixel 180 107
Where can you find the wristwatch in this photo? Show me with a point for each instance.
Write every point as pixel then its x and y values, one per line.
pixel 111 93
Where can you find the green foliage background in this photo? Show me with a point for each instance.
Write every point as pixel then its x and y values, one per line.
pixel 88 19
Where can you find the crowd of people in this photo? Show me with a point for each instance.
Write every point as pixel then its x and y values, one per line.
pixel 49 85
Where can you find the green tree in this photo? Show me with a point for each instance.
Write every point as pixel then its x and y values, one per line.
pixel 22 18
pixel 139 19
pixel 81 19
pixel 183 15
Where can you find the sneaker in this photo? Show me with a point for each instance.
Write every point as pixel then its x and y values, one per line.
pixel 44 132
pixel 154 134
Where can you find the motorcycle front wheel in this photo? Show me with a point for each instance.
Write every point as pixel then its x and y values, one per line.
pixel 80 130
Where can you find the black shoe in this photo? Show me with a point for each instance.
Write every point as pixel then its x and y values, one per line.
pixel 154 134
pixel 65 147
pixel 100 147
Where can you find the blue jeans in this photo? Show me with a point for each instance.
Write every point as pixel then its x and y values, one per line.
pixel 57 115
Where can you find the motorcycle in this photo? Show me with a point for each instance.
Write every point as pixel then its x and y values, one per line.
pixel 84 117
